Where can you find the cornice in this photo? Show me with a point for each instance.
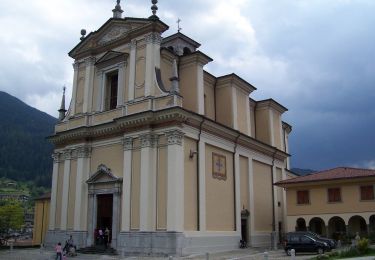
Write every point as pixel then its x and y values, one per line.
pixel 235 81
pixel 270 103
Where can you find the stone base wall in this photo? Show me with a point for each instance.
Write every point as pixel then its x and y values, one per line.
pixel 263 239
pixel 203 244
pixel 55 236
pixel 150 243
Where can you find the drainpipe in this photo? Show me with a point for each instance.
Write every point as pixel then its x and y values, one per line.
pixel 234 178
pixel 198 172
pixel 273 236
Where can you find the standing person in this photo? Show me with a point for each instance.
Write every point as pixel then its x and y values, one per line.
pixel 58 251
pixel 101 235
pixel 106 237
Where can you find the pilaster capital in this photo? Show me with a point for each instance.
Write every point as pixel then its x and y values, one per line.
pixel 56 157
pixel 127 143
pixel 84 151
pixel 133 44
pixel 90 61
pixel 153 37
pixel 174 137
pixel 75 65
pixel 122 64
pixel 67 154
pixel 148 140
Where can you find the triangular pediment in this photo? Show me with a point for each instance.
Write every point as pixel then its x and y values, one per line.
pixel 103 175
pixel 110 55
pixel 113 33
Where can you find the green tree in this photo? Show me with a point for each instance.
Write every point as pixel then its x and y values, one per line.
pixel 11 216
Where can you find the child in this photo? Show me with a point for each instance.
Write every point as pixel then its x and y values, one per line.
pixel 58 251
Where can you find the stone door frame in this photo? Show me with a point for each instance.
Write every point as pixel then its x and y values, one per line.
pixel 103 182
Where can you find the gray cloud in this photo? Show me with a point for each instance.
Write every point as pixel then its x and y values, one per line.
pixel 315 57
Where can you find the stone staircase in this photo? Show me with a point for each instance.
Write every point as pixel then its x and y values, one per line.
pixel 98 250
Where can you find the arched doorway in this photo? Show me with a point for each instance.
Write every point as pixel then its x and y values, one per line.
pixel 317 225
pixel 301 225
pixel 357 224
pixel 336 228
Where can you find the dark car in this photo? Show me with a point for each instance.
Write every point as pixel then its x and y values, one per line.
pixel 302 242
pixel 330 242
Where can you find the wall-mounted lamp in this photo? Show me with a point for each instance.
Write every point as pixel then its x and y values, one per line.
pixel 191 155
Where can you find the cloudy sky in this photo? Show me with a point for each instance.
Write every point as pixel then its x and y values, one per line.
pixel 316 57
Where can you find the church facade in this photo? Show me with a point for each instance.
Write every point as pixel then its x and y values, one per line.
pixel 169 158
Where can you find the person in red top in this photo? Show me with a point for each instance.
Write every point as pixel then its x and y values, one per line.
pixel 58 249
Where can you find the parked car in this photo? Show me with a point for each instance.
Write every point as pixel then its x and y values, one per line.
pixel 330 242
pixel 302 242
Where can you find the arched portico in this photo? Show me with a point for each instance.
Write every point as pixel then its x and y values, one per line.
pixel 317 225
pixel 301 224
pixel 372 224
pixel 336 228
pixel 357 224
pixel 104 188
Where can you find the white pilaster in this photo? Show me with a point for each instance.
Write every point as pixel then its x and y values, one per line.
pixel 89 77
pixel 175 181
pixel 200 89
pixel 237 191
pixel 121 84
pixel 283 174
pixel 55 172
pixel 75 82
pixel 65 190
pixel 202 186
pixel 133 49
pixel 126 184
pixel 100 92
pixel 153 41
pixel 234 108
pixel 251 196
pixel 148 182
pixel 80 206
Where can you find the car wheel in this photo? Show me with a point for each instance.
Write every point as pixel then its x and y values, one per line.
pixel 288 252
pixel 320 251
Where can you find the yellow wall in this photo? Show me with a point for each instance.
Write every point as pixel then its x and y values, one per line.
pixel 60 178
pixel 41 220
pixel 241 112
pixel 112 156
pixel 244 182
pixel 220 208
pixel 262 126
pixel 72 193
pixel 140 69
pixel 252 122
pixel 162 188
pixel 262 196
pixel 166 71
pixel 191 187
pixel 209 100
pixel 224 106
pixel 188 86
pixel 80 88
pixel 350 196
pixel 135 186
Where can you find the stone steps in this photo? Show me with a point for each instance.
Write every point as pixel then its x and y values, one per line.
pixel 99 250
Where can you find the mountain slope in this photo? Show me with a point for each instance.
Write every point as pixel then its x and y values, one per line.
pixel 25 154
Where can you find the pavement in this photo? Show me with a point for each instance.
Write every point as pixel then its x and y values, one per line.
pixel 240 254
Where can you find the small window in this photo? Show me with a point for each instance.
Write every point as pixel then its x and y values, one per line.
pixel 334 195
pixel 303 197
pixel 367 192
pixel 111 90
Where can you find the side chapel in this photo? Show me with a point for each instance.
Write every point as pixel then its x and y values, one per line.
pixel 170 158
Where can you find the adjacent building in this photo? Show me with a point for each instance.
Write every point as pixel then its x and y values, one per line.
pixel 41 218
pixel 337 203
pixel 169 157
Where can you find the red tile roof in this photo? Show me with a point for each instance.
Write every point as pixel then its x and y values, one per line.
pixel 332 174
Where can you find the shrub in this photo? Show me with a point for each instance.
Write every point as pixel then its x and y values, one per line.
pixel 351 252
pixel 362 246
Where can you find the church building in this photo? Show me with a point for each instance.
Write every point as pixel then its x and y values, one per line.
pixel 170 158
